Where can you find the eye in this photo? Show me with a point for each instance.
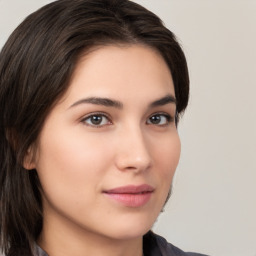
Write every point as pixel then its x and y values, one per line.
pixel 160 119
pixel 96 120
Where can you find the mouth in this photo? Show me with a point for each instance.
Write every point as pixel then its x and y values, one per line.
pixel 131 196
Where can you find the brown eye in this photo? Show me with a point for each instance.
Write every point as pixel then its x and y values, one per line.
pixel 96 120
pixel 159 119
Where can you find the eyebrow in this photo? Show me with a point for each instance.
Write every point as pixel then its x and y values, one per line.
pixel 163 101
pixel 119 105
pixel 100 101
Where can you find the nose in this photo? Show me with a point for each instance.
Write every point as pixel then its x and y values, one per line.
pixel 133 151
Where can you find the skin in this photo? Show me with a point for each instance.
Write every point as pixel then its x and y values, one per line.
pixel 78 159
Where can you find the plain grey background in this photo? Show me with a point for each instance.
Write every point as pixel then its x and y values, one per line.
pixel 213 207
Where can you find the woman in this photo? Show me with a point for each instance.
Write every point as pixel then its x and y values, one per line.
pixel 91 92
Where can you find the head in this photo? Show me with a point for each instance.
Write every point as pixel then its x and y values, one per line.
pixel 38 64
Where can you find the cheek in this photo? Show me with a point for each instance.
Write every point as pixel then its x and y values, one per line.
pixel 168 154
pixel 70 152
pixel 69 165
pixel 166 158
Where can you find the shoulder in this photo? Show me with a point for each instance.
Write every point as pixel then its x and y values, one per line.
pixel 161 247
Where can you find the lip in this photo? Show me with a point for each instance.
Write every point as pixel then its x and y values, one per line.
pixel 131 195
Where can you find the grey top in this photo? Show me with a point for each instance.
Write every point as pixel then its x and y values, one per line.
pixel 39 251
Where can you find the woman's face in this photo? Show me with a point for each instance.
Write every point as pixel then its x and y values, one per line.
pixel 108 150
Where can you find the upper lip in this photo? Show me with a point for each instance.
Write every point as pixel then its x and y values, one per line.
pixel 131 189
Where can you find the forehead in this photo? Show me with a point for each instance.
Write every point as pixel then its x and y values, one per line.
pixel 119 71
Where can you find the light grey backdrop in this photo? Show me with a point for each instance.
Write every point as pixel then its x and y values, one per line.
pixel 213 206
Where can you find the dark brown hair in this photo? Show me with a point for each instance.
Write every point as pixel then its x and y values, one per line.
pixel 36 65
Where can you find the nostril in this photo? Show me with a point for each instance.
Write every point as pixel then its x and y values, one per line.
pixel 132 164
pixel 130 167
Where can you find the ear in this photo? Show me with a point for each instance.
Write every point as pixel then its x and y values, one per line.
pixel 29 161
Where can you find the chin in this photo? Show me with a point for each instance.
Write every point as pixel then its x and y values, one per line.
pixel 132 228
pixel 130 234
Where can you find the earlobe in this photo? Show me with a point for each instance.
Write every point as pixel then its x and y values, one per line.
pixel 29 162
pixel 12 138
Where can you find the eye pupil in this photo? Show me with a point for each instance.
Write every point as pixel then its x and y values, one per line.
pixel 96 120
pixel 156 119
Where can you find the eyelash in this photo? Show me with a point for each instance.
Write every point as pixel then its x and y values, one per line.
pixel 169 119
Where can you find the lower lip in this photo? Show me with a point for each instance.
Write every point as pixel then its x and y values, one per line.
pixel 131 200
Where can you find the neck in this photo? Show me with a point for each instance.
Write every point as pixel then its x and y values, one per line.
pixel 63 240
